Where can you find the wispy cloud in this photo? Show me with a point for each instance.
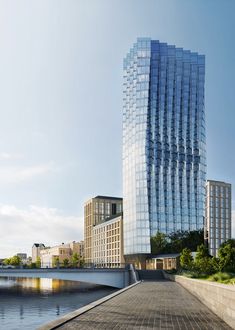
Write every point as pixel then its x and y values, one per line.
pixel 17 174
pixel 20 228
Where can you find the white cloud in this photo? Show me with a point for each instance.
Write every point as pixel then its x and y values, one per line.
pixel 8 156
pixel 12 174
pixel 20 228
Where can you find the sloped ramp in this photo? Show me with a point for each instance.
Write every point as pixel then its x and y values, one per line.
pixel 149 305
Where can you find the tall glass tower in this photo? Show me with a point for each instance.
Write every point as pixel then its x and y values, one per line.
pixel 164 158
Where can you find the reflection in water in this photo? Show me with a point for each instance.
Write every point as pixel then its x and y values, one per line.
pixel 57 310
pixel 21 312
pixel 39 285
pixel 26 303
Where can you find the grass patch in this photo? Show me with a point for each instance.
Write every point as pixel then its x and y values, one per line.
pixel 222 277
pixel 193 274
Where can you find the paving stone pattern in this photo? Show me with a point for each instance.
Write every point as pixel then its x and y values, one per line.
pixel 150 305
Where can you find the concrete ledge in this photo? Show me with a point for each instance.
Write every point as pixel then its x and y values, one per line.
pixel 220 298
pixel 70 316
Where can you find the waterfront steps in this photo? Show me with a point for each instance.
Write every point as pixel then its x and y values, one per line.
pixel 150 275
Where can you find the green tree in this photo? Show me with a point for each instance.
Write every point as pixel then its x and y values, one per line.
pixel 15 261
pixel 176 241
pixel 7 261
pixel 38 262
pixel 82 262
pixel 33 265
pixel 202 252
pixel 66 263
pixel 158 243
pixel 55 262
pixel 215 264
pixel 203 262
pixel 75 259
pixel 192 239
pixel 227 255
pixel 185 239
pixel 186 259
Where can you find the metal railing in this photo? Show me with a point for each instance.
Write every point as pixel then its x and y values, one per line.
pixel 61 265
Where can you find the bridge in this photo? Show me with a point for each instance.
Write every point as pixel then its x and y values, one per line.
pixel 114 277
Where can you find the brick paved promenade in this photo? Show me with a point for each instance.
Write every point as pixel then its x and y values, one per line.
pixel 149 305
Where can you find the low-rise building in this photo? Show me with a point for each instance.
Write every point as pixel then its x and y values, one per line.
pixel 163 261
pixel 37 247
pixel 51 256
pixel 107 239
pixel 55 256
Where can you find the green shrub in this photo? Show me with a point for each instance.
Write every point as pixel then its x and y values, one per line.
pixel 227 255
pixel 186 259
pixel 222 277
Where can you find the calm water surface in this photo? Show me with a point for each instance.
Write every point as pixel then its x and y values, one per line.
pixel 27 303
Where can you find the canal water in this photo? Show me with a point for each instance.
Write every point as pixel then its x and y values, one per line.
pixel 28 303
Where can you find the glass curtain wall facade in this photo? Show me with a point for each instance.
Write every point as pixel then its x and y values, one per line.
pixel 164 158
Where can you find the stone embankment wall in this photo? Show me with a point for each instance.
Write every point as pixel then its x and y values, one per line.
pixel 220 298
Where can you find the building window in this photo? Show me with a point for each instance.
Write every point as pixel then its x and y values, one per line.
pixel 114 208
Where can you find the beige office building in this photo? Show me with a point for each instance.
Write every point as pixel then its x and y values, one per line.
pixel 54 256
pixel 96 211
pixel 77 247
pixel 37 247
pixel 108 243
pixel 218 217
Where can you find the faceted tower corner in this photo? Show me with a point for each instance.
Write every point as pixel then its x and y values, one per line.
pixel 164 142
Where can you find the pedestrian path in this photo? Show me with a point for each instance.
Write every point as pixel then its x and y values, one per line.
pixel 150 305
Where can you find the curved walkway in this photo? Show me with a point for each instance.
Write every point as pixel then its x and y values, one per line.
pixel 150 305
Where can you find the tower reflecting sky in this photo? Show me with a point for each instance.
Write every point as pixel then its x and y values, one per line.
pixel 164 159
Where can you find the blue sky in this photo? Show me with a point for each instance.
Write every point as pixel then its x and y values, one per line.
pixel 61 103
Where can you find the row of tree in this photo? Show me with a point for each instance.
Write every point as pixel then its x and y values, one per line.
pixel 185 242
pixel 206 264
pixel 13 261
pixel 74 261
pixel 177 241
